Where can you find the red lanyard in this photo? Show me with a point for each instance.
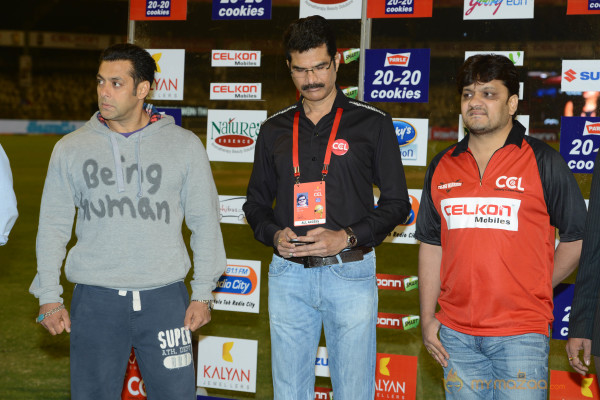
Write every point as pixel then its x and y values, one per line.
pixel 334 129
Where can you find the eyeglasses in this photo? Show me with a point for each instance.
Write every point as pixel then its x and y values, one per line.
pixel 319 70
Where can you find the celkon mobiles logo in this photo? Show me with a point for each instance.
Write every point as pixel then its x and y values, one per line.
pixel 512 183
pixel 397 60
pixel 340 147
pixel 481 212
pixel 235 58
pixel 235 91
pixel 591 128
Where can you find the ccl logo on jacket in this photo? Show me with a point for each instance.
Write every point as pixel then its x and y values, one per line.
pixel 512 183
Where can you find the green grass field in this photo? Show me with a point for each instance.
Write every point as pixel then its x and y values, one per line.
pixel 35 365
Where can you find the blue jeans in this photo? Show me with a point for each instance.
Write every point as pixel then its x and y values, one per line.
pixel 495 367
pixel 342 298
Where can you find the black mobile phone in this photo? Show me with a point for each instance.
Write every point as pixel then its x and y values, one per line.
pixel 299 243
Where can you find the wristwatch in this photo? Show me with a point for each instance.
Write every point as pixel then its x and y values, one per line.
pixel 351 239
pixel 209 303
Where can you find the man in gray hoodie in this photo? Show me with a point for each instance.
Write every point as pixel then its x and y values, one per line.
pixel 133 176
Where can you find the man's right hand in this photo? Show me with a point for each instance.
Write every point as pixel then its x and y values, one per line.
pixel 574 345
pixel 429 330
pixel 57 322
pixel 281 240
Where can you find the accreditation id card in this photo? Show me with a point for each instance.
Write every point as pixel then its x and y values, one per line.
pixel 309 203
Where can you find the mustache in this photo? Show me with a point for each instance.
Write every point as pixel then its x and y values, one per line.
pixel 313 86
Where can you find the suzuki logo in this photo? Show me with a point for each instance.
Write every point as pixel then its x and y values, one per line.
pixel 570 75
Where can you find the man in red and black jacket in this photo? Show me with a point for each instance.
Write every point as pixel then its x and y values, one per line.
pixel 487 220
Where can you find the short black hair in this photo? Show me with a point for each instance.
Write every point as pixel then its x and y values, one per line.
pixel 309 33
pixel 143 65
pixel 483 68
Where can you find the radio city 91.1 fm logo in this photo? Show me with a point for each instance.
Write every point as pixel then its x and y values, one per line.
pixel 238 289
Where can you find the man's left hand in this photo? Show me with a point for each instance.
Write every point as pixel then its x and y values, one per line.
pixel 326 243
pixel 574 345
pixel 196 315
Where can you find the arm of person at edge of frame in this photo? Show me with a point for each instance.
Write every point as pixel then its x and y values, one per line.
pixel 566 259
pixel 430 263
pixel 573 347
pixel 56 323
pixel 326 242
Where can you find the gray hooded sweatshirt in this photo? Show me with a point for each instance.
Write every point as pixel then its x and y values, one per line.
pixel 131 196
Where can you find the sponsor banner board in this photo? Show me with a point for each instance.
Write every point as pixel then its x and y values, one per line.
pixel 572 386
pixel 331 9
pixel 404 283
pixel 399 8
pixel 412 135
pixel 443 133
pixel 563 297
pixel 168 78
pixel 242 9
pixel 322 362
pixel 350 91
pixel 227 363
pixel 397 75
pixel 580 75
pixel 235 91
pixel 498 9
pixel 396 377
pixel 583 7
pixel 38 126
pixel 349 55
pixel 231 134
pixel 238 289
pixel 405 233
pixel 402 322
pixel 133 387
pixel 323 393
pixel 579 142
pixel 516 56
pixel 173 112
pixel 523 119
pixel 230 209
pixel 235 58
pixel 157 10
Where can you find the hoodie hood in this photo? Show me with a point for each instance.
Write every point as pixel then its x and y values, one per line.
pixel 157 121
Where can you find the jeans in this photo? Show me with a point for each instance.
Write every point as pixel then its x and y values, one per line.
pixel 342 298
pixel 495 367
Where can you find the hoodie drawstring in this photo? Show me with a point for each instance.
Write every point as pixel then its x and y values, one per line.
pixel 139 164
pixel 118 165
